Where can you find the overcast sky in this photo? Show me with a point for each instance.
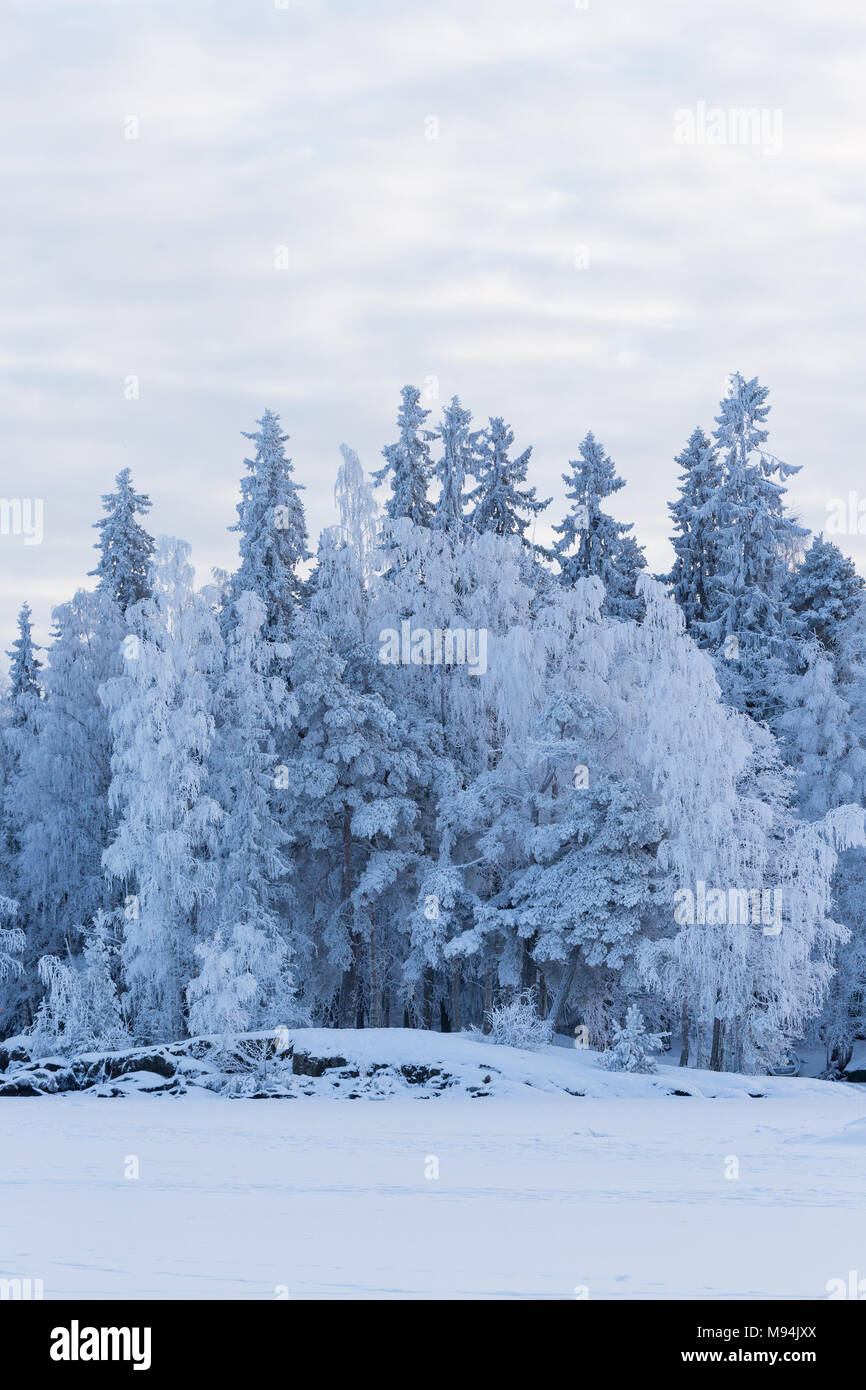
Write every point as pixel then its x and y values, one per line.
pixel 459 258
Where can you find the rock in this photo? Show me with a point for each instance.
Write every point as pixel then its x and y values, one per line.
pixel 12 1054
pixel 21 1087
pixel 418 1075
pixel 89 1068
pixel 43 1080
pixel 197 1048
pixel 304 1064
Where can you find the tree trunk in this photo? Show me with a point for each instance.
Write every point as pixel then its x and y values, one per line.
pixel 428 997
pixel 374 979
pixel 716 1052
pixel 349 984
pixel 562 992
pixel 455 997
pixel 488 998
pixel 542 994
pixel 684 1049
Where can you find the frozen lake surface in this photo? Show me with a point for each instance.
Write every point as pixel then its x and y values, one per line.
pixel 619 1193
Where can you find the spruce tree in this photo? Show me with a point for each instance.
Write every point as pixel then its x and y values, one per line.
pixel 407 463
pixel 694 542
pixel 459 452
pixel 822 593
pixel 273 532
pixel 605 548
pixel 24 669
pixel 754 534
pixel 500 504
pixel 125 548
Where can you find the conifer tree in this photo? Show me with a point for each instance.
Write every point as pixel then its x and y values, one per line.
pixel 59 788
pixel 755 536
pixel 822 593
pixel 273 532
pixel 605 548
pixel 125 548
pixel 407 463
pixel 459 453
pixel 24 686
pixel 501 505
pixel 693 543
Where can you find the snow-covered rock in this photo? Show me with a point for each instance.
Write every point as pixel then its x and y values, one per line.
pixel 372 1064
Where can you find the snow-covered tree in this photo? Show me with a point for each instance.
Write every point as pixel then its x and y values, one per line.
pixel 273 531
pixel 459 453
pixel 11 942
pixel 694 541
pixel 822 593
pixel 407 463
pixel 62 822
pixel 24 669
pixel 755 539
pixel 500 504
pixel 243 983
pixel 359 511
pixel 165 849
pixel 349 791
pixel 125 548
pixel 604 547
pixel 633 1048
pixel 240 927
pixel 80 1008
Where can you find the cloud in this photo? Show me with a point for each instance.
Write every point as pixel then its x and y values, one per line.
pixel 408 257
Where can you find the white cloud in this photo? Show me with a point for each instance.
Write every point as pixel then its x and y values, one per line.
pixel 409 257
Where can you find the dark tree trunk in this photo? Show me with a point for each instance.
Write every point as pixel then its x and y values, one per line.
pixel 455 998
pixel 349 1001
pixel 561 995
pixel 684 1049
pixel 488 998
pixel 428 998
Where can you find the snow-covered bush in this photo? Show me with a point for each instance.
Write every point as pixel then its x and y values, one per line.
pixel 11 941
pixel 518 1022
pixel 80 1008
pixel 633 1047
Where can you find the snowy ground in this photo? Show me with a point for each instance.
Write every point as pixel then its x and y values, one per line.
pixel 621 1191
